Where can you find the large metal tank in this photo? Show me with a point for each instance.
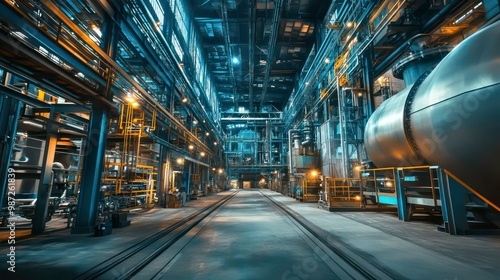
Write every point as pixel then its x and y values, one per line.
pixel 450 118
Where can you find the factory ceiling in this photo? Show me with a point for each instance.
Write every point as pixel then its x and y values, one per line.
pixel 256 48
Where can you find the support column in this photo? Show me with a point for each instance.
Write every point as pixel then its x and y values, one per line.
pixel 403 210
pixel 453 205
pixel 93 162
pixel 442 197
pixel 368 81
pixel 186 177
pixel 46 178
pixel 10 109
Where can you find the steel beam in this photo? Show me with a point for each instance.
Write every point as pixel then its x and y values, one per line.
pixel 95 147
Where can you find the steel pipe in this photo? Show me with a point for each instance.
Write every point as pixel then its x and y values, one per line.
pixel 451 119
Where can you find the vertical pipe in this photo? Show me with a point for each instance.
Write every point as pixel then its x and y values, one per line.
pixel 368 81
pixel 290 150
pixel 343 143
pixel 267 143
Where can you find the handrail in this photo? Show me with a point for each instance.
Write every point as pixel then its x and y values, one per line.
pixel 347 188
pixel 469 188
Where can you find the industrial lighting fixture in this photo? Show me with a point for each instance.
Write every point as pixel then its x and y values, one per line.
pixel 34 124
pixel 180 160
pixel 130 99
pixel 327 60
pixel 314 173
pixel 220 170
pixel 191 147
pixel 335 25
pixel 202 154
pixel 184 100
pixel 207 134
pixel 236 60
pixel 349 24
pixel 215 143
pixel 97 30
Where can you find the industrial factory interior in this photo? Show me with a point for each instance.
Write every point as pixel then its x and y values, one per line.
pixel 249 139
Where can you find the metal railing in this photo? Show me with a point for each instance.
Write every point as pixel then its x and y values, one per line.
pixel 379 185
pixel 343 192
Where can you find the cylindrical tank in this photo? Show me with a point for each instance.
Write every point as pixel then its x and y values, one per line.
pixel 450 118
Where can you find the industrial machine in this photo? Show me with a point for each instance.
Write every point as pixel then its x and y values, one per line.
pixel 305 182
pixel 448 118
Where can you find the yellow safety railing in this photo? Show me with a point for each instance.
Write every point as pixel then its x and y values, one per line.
pixel 343 192
pixel 310 189
pixel 135 169
pixel 469 188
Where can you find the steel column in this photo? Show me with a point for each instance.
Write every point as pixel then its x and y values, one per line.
pixel 186 179
pixel 46 178
pixel 403 210
pixel 442 197
pixel 9 115
pixel 93 162
pixel 453 206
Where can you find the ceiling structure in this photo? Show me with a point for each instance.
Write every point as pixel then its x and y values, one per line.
pixel 270 60
pixel 256 48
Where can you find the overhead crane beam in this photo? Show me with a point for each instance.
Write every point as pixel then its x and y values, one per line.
pixel 278 8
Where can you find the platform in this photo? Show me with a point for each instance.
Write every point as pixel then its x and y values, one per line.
pixel 248 248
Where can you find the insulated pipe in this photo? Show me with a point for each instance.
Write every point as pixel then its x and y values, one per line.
pixel 449 118
pixel 290 149
pixel 251 52
pixel 267 156
pixel 395 55
pixel 444 12
pixel 431 24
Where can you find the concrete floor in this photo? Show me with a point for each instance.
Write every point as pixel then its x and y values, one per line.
pixel 248 239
